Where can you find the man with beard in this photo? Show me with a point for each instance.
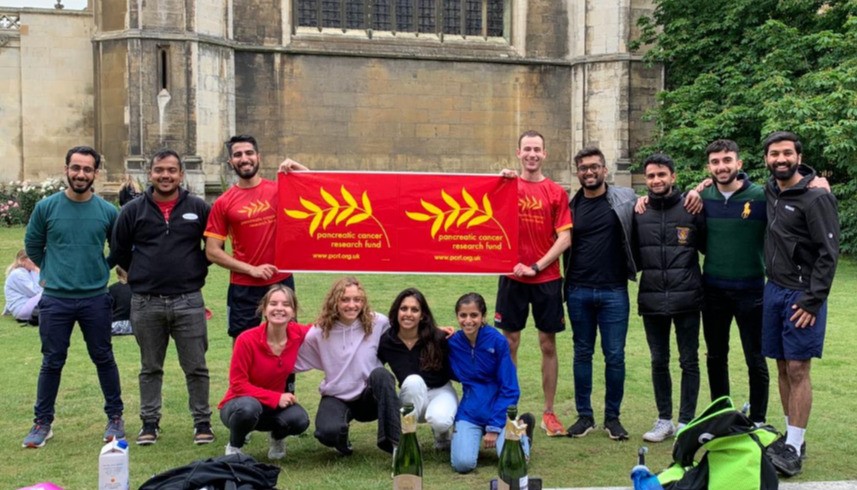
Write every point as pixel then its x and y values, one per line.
pixel 734 273
pixel 598 268
pixel 65 238
pixel 667 239
pixel 158 241
pixel 544 233
pixel 248 213
pixel 801 252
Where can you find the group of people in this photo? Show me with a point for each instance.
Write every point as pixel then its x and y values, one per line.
pixel 787 228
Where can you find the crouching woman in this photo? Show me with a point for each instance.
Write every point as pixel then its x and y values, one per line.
pixel 480 360
pixel 262 360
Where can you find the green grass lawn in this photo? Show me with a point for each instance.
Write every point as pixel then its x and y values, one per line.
pixel 70 459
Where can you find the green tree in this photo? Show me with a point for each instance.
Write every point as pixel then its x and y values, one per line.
pixel 741 69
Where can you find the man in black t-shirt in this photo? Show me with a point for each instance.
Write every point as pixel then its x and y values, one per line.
pixel 598 267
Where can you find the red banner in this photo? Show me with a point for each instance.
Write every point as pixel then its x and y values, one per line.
pixel 389 222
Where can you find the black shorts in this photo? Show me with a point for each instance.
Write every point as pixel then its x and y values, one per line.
pixel 513 304
pixel 242 303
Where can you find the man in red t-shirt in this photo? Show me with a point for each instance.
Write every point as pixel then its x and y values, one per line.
pixel 247 213
pixel 544 232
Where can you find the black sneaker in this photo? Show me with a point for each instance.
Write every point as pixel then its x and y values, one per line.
pixel 530 420
pixel 202 433
pixel 148 434
pixel 787 461
pixel 583 426
pixel 778 446
pixel 344 450
pixel 615 430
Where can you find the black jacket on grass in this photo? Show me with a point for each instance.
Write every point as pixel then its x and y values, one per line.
pixel 232 472
pixel 666 241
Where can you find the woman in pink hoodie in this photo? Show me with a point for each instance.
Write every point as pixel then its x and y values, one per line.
pixel 344 344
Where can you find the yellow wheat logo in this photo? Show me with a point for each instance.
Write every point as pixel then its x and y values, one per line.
pixel 746 213
pixel 254 208
pixel 530 203
pixel 468 215
pixel 337 212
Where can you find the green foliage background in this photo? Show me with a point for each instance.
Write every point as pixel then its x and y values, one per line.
pixel 740 69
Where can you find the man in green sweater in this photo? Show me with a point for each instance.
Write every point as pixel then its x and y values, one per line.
pixel 65 237
pixel 734 273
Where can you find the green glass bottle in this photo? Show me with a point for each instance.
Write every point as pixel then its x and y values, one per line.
pixel 407 459
pixel 512 467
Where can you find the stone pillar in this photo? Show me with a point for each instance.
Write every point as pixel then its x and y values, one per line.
pixel 610 85
pixel 165 81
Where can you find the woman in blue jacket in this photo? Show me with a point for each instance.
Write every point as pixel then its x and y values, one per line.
pixel 480 360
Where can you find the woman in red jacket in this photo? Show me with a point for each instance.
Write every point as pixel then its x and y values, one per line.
pixel 262 360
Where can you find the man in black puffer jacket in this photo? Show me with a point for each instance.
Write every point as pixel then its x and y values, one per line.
pixel 667 239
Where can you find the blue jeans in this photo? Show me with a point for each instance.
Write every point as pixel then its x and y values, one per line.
pixel 155 319
pixel 591 310
pixel 57 317
pixel 466 442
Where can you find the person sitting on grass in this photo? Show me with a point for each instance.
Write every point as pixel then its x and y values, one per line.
pixel 22 289
pixel 417 352
pixel 344 345
pixel 120 291
pixel 480 360
pixel 262 360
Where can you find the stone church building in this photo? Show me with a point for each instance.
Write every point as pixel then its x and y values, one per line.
pixel 405 85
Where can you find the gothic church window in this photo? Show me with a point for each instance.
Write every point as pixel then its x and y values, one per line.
pixel 478 18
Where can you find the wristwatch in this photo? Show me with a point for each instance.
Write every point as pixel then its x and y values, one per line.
pixel 535 267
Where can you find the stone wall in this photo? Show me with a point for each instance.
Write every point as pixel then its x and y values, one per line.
pixel 403 115
pixel 189 73
pixel 11 146
pixel 47 87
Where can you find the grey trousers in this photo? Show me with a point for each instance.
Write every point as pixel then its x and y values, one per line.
pixel 155 319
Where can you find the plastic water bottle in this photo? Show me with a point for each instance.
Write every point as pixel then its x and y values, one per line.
pixel 113 466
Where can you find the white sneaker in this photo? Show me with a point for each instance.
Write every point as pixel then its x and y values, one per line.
pixel 662 430
pixel 277 449
pixel 230 449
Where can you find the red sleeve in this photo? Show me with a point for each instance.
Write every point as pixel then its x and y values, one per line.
pixel 216 226
pixel 562 214
pixel 241 372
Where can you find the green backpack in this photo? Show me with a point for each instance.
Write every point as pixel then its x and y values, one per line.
pixel 734 457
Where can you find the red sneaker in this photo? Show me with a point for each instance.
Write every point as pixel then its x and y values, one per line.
pixel 552 426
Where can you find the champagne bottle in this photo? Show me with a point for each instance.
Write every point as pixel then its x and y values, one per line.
pixel 512 467
pixel 407 459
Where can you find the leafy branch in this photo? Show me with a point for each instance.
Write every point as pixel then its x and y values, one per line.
pixel 469 214
pixel 337 211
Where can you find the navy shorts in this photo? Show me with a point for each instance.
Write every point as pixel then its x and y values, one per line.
pixel 242 303
pixel 780 338
pixel 513 305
